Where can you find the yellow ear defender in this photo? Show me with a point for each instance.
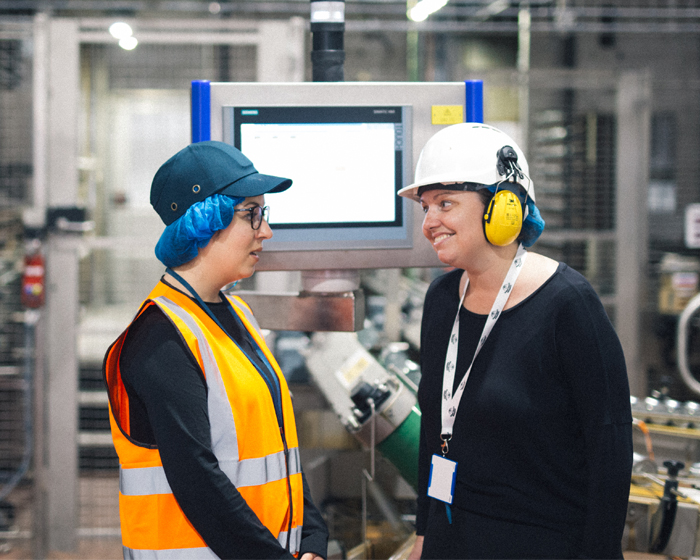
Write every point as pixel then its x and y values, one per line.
pixel 503 219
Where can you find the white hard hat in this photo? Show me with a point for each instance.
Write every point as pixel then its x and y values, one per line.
pixel 467 153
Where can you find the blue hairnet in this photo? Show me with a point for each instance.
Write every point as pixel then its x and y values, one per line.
pixel 533 225
pixel 181 240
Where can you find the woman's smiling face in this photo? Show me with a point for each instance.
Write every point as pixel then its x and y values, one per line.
pixel 453 224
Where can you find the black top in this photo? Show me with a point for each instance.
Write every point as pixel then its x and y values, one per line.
pixel 543 433
pixel 168 408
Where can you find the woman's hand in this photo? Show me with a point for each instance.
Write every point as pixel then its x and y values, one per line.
pixel 417 549
pixel 311 556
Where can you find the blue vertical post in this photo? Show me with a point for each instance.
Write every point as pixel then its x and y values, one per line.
pixel 474 100
pixel 201 110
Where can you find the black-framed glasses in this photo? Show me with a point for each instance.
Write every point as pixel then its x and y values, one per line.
pixel 257 214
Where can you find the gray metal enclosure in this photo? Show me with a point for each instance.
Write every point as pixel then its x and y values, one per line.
pixel 611 136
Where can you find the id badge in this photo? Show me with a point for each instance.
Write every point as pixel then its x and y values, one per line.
pixel 443 474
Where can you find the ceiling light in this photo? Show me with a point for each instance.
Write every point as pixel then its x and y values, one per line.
pixel 128 43
pixel 119 30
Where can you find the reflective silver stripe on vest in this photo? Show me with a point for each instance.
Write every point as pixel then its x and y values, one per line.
pixel 255 472
pixel 224 439
pixel 294 461
pixel 249 472
pixel 246 313
pixel 201 553
pixel 294 541
pixel 143 482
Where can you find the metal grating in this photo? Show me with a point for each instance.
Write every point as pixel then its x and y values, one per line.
pixel 572 162
pixel 16 340
pixel 673 185
pixel 15 121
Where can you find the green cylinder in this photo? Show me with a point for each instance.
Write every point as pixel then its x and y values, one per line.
pixel 400 448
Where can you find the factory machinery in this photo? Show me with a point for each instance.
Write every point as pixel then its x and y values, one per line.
pixel 663 515
pixel 376 402
pixel 664 509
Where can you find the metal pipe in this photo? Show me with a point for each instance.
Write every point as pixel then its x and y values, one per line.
pixel 474 100
pixel 524 41
pixel 201 110
pixel 664 519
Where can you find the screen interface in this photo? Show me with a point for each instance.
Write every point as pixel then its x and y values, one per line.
pixel 346 164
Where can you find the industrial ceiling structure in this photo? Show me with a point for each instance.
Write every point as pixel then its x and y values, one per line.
pixel 485 16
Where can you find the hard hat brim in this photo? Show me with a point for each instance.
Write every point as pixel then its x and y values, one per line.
pixel 411 191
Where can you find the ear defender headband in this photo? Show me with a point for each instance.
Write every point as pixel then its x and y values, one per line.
pixel 503 219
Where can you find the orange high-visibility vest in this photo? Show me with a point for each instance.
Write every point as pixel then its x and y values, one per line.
pixel 259 460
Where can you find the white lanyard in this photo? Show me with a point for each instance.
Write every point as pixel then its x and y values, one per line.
pixel 450 402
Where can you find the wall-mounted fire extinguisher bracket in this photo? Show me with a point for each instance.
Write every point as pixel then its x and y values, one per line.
pixel 68 219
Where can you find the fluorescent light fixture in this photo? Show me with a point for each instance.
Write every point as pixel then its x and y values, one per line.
pixel 493 9
pixel 128 43
pixel 424 8
pixel 120 29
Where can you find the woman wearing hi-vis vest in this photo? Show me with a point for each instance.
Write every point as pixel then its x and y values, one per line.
pixel 201 414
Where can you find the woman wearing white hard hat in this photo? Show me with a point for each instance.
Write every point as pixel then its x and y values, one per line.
pixel 526 434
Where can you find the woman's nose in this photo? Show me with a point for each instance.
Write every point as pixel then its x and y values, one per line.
pixel 264 231
pixel 430 219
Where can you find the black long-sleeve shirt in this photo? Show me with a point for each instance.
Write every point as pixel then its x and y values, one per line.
pixel 543 432
pixel 168 408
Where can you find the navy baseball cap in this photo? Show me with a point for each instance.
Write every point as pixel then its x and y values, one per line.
pixel 203 169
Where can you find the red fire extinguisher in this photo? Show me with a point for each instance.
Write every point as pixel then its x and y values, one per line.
pixel 33 276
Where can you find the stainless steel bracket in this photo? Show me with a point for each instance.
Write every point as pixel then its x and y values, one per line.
pixel 307 311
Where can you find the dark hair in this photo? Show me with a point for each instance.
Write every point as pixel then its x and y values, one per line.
pixel 485 195
pixel 459 187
